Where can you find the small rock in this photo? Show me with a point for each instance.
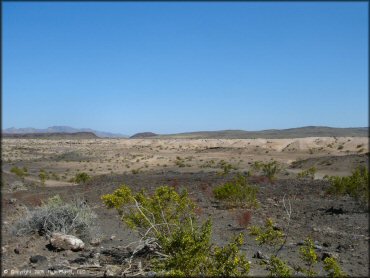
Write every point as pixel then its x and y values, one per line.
pixel 341 248
pixel 329 255
pixel 4 248
pixel 112 237
pixel 151 274
pixel 66 242
pixel 333 210
pixel 318 247
pixel 259 255
pixel 326 244
pixel 95 241
pixel 16 250
pixel 38 259
pixel 112 270
pixel 12 201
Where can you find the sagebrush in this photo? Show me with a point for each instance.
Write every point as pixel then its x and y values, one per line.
pixel 75 218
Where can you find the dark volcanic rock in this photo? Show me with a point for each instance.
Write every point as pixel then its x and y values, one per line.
pixel 38 259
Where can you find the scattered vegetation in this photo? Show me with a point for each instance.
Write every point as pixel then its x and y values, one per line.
pixel 181 162
pixel 309 173
pixel 226 168
pixel 208 164
pixel 237 193
pixel 355 185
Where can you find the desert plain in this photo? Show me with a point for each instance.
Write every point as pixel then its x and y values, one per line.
pixel 337 224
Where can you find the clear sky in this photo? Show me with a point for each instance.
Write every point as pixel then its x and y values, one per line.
pixel 177 67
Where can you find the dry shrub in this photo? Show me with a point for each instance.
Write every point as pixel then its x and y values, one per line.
pixel 244 218
pixel 75 218
pixel 198 211
pixel 206 189
pixel 33 200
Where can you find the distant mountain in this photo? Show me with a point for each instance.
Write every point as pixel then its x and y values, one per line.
pixel 300 132
pixel 143 135
pixel 52 135
pixel 62 129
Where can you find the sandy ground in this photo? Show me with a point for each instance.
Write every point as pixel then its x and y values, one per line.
pixel 118 156
pixel 148 163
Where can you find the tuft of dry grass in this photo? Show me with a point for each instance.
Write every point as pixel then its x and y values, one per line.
pixel 244 218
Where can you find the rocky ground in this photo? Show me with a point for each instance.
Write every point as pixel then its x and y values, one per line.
pixel 338 225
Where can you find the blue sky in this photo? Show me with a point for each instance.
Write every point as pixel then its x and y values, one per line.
pixel 177 67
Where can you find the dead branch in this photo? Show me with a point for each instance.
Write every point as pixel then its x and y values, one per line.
pixel 289 214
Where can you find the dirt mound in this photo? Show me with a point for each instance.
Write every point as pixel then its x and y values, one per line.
pixel 338 163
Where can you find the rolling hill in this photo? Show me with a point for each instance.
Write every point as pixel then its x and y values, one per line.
pixel 300 132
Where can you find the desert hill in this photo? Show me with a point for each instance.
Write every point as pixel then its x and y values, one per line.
pixel 300 132
pixel 143 135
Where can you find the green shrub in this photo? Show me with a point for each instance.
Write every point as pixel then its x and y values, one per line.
pixel 268 234
pixel 180 162
pixel 169 218
pixel 309 173
pixel 270 169
pixel 19 171
pixel 43 176
pixel 226 168
pixel 356 185
pixel 208 164
pixel 81 177
pixel 237 193
pixel 279 268
pixel 331 266
pixel 309 256
pixel 135 171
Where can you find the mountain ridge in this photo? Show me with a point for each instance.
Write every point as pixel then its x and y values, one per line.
pixel 61 129
pixel 51 135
